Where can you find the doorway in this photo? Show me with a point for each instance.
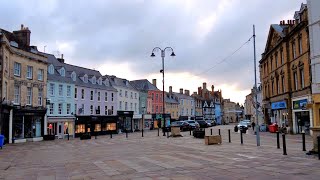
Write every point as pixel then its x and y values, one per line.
pixel 302 121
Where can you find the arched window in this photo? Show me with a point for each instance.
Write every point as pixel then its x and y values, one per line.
pixel 94 80
pixel 73 76
pixel 51 69
pixel 85 78
pixel 62 72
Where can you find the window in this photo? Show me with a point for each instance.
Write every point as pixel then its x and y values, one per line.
pixel 85 78
pixel 276 59
pixel 51 89
pixel 91 95
pixel 29 72
pixel 282 56
pixel 131 95
pixel 131 106
pixel 97 127
pixel 81 128
pixel 105 96
pixel 40 74
pixel 106 110
pixel 68 91
pixel 135 107
pixel 60 108
pixel 302 78
pixel 156 109
pixel 120 105
pixel 82 109
pixel 82 93
pixel 98 110
pixel 91 109
pixel 17 69
pixel 156 97
pixel 73 76
pixel 295 78
pixel 29 95
pixel 135 95
pixel 68 108
pixel 62 72
pixel 16 94
pixel 99 96
pixel 120 93
pixel 272 88
pixel 75 93
pixel 126 94
pixel 111 126
pixel 51 69
pixel 294 50
pixel 126 106
pixel 51 108
pixel 111 110
pixel 300 45
pixel 112 97
pixel 94 80
pixel 283 84
pixel 271 61
pixel 152 96
pixel 40 97
pixel 60 90
pixel 278 86
pixel 160 109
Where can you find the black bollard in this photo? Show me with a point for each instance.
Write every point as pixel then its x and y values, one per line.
pixel 318 138
pixel 158 132
pixel 190 132
pixel 142 132
pixel 219 132
pixel 211 131
pixel 303 141
pixel 168 134
pixel 111 135
pixel 284 144
pixel 278 140
pixel 126 133
pixel 229 135
pixel 68 136
pixel 241 138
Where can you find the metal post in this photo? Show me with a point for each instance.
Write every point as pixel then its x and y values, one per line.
pixel 190 132
pixel 142 132
pixel 255 87
pixel 284 144
pixel 303 141
pixel 318 138
pixel 163 104
pixel 241 138
pixel 126 133
pixel 229 135
pixel 278 140
pixel 219 132
pixel 111 135
pixel 158 131
pixel 211 131
pixel 168 134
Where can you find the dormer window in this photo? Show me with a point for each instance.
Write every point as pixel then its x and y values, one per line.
pixel 85 78
pixel 100 81
pixel 73 76
pixel 62 72
pixel 94 81
pixel 106 82
pixel 51 69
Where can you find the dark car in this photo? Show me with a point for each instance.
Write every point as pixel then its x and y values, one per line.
pixel 202 123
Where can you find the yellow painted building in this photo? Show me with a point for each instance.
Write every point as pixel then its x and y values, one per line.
pixel 172 105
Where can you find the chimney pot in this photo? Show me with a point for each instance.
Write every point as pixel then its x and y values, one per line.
pixel 181 90
pixel 61 56
pixel 204 85
pixel 154 82
pixel 170 89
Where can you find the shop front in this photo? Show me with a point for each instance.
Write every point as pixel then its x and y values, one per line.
pixel 279 113
pixel 60 127
pixel 148 122
pixel 28 124
pixel 302 117
pixel 125 121
pixel 4 121
pixel 137 122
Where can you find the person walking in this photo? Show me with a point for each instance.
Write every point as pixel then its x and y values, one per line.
pixel 253 125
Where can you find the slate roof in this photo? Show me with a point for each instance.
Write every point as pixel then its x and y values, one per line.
pixel 143 85
pixel 80 71
pixel 182 96
pixel 119 82
pixel 279 29
pixel 170 98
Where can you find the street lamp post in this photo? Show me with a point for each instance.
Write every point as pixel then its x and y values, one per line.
pixel 162 71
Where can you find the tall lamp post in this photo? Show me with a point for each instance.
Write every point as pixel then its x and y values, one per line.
pixel 163 54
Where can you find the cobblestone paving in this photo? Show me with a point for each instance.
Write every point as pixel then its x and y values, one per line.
pixel 153 157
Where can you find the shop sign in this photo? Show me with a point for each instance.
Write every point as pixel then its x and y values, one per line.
pixel 300 104
pixel 137 116
pixel 279 105
pixel 147 116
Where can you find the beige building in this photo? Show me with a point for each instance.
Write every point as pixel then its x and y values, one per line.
pixel 172 105
pixel 231 111
pixel 23 87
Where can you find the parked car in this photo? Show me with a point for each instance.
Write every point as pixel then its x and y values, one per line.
pixel 243 126
pixel 247 121
pixel 192 124
pixel 211 123
pixel 202 123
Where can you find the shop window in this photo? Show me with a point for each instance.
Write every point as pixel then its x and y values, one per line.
pixel 80 128
pixel 111 126
pixel 97 127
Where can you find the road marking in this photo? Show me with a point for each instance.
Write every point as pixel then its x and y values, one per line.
pixel 164 165
pixel 134 166
pixel 105 168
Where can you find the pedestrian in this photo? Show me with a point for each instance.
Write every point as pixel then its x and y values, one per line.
pixel 253 125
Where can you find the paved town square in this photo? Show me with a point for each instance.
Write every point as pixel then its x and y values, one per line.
pixel 153 157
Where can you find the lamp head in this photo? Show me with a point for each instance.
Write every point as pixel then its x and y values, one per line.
pixel 152 54
pixel 172 54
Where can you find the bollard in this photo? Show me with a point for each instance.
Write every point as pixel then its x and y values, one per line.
pixel 68 136
pixel 219 132
pixel 211 131
pixel 278 140
pixel 190 132
pixel 111 135
pixel 126 133
pixel 142 132
pixel 229 135
pixel 284 144
pixel 318 138
pixel 158 132
pixel 168 134
pixel 303 141
pixel 241 138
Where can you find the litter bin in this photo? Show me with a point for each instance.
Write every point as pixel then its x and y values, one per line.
pixel 273 128
pixel 1 140
pixel 263 128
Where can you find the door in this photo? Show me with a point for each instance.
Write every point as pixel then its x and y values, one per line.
pixel 60 132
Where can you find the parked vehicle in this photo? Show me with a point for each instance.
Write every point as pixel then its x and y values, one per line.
pixel 211 123
pixel 247 121
pixel 242 126
pixel 192 124
pixel 202 123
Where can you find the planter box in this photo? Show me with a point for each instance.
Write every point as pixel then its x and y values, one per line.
pixel 175 132
pixel 208 140
pixel 48 137
pixel 199 133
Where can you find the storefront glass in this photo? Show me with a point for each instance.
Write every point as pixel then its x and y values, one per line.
pixel 111 126
pixel 80 128
pixel 97 128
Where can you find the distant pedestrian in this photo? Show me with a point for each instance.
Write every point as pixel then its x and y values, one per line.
pixel 253 125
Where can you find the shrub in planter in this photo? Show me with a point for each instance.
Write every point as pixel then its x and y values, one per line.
pixel 48 137
pixel 85 136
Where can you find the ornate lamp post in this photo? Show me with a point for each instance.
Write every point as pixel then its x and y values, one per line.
pixel 162 71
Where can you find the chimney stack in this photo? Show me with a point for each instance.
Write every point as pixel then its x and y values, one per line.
pixel 154 82
pixel 283 22
pixel 170 89
pixel 195 93
pixel 23 36
pixel 212 90
pixel 186 92
pixel 181 90
pixel 61 59
pixel 204 85
pixel 199 91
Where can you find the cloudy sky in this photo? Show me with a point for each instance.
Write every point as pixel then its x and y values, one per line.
pixel 116 37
